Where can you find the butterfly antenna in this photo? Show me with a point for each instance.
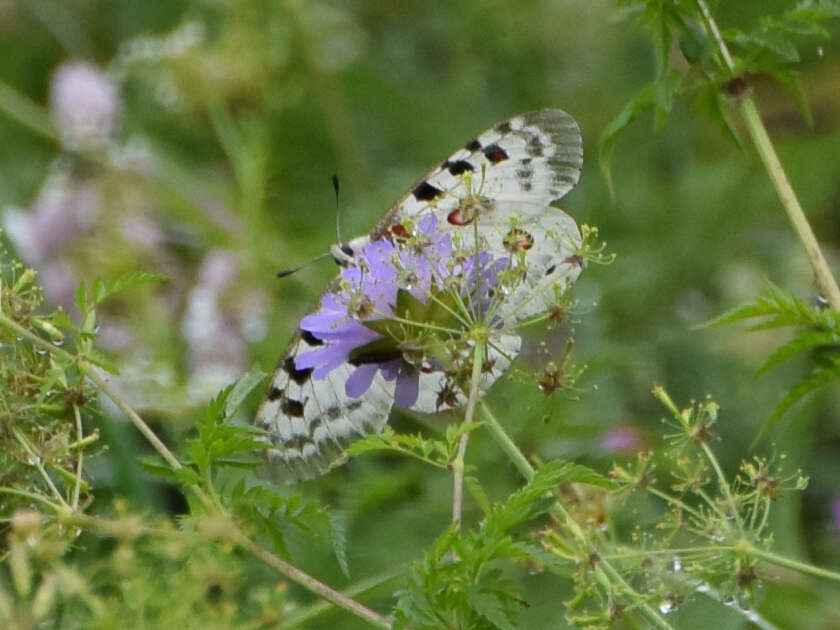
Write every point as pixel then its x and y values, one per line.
pixel 289 272
pixel 337 188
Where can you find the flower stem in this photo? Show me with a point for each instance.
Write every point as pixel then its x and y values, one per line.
pixel 768 155
pixel 506 444
pixel 790 563
pixel 458 462
pixel 825 279
pixel 308 582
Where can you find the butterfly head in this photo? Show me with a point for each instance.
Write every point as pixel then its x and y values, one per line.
pixel 346 254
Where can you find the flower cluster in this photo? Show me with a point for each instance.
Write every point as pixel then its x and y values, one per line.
pixel 392 309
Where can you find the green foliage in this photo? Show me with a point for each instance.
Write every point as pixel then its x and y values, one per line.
pixel 461 583
pixel 438 453
pixel 716 61
pixel 817 333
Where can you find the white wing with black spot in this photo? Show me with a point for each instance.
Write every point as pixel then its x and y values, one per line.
pixel 309 422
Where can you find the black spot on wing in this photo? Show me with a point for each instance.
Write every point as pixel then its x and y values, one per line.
pixel 495 154
pixel 292 407
pixel 503 127
pixel 298 376
pixel 473 145
pixel 550 270
pixel 457 167
pixel 311 339
pixel 426 192
pixel 274 393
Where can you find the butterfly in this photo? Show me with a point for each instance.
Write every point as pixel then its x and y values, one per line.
pixel 495 195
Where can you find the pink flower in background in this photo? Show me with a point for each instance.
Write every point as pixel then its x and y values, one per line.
pixel 620 439
pixel 85 104
pixel 216 352
pixel 62 208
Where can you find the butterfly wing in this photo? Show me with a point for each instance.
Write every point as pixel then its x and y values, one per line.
pixel 509 175
pixel 309 422
pixel 501 187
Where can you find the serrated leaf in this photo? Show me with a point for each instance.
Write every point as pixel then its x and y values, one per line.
pixel 156 466
pixel 430 451
pixel 81 297
pixel 338 535
pixel 99 359
pixel 819 376
pixel 491 607
pixel 243 387
pixel 805 340
pixel 476 490
pixel 104 288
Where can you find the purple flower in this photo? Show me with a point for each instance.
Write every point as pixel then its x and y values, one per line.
pixel 368 292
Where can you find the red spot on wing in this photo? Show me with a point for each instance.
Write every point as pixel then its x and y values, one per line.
pixel 460 218
pixel 398 231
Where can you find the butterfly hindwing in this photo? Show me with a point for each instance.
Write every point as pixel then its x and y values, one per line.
pixel 309 422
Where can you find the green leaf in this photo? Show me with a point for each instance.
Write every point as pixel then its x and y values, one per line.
pixel 339 544
pixel 243 387
pixel 476 490
pixel 492 607
pixel 535 498
pixel 433 452
pixel 820 376
pixel 99 359
pixel 805 340
pixel 643 99
pixel 103 288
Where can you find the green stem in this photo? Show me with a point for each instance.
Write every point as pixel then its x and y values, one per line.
pixel 764 146
pixel 308 613
pixel 527 471
pixel 790 563
pixel 825 279
pixel 458 463
pixel 506 444
pixel 309 582
pixel 77 485
pixel 36 461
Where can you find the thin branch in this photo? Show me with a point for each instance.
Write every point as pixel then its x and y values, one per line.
pixel 458 463
pixel 79 458
pixel 506 444
pixel 308 582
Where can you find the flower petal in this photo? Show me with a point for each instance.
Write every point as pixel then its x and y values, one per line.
pixel 359 381
pixel 408 387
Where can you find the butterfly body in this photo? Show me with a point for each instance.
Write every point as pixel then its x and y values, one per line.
pixel 495 196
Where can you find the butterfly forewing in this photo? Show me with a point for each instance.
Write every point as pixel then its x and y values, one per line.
pixel 498 188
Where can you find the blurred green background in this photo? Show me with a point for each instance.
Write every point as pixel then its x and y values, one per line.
pixel 197 138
